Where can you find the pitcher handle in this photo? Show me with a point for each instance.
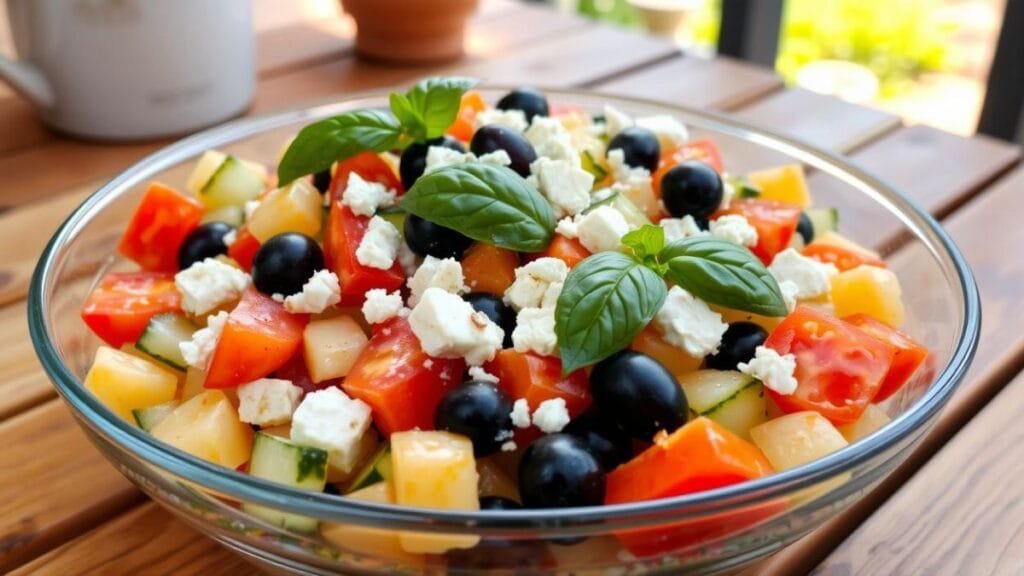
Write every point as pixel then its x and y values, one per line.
pixel 28 80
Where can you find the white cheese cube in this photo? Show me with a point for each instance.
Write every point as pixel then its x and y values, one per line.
pixel 208 284
pixel 380 306
pixel 521 413
pixel 379 246
pixel 514 119
pixel 550 139
pixel 533 283
pixel 789 291
pixel 198 351
pixel 551 416
pixel 680 228
pixel 448 327
pixel 810 276
pixel 566 187
pixel 480 375
pixel 328 419
pixel 615 121
pixel 634 182
pixel 498 157
pixel 445 274
pixel 535 331
pixel 687 322
pixel 602 229
pixel 775 371
pixel 567 227
pixel 734 228
pixel 440 157
pixel 319 293
pixel 268 401
pixel 364 198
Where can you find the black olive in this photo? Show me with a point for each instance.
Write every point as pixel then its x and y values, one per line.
pixel 805 228
pixel 639 147
pixel 414 158
pixel 739 342
pixel 609 444
pixel 206 241
pixel 638 394
pixel 496 137
pixel 428 239
pixel 529 101
pixel 500 313
pixel 479 411
pixel 558 471
pixel 284 263
pixel 322 180
pixel 691 187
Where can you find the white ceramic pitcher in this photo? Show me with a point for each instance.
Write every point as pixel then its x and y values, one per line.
pixel 129 69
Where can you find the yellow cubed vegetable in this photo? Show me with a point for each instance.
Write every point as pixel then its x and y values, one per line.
pixel 872 419
pixel 434 470
pixel 207 426
pixel 783 183
pixel 297 207
pixel 124 382
pixel 649 341
pixel 371 541
pixel 796 439
pixel 731 316
pixel 331 346
pixel 869 290
pixel 193 384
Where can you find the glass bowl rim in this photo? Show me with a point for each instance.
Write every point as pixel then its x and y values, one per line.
pixel 246 488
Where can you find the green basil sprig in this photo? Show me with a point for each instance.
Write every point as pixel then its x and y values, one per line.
pixel 422 113
pixel 610 297
pixel 485 202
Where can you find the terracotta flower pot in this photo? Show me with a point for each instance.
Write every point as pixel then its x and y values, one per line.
pixel 410 31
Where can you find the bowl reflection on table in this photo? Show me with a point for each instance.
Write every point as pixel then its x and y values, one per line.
pixel 709 532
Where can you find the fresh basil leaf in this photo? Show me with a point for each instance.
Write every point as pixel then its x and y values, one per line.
pixel 409 118
pixel 645 242
pixel 723 273
pixel 435 101
pixel 485 202
pixel 322 143
pixel 607 299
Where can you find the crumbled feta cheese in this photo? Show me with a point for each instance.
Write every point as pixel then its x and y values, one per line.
pixel 566 187
pixel 381 306
pixel 267 401
pixel 810 276
pixel 567 227
pixel 198 351
pixel 728 193
pixel 407 259
pixel 498 157
pixel 231 237
pixel 448 327
pixel 789 291
pixel 550 139
pixel 551 416
pixel 364 198
pixel 521 413
pixel 319 293
pixel 615 121
pixel 441 157
pixel 445 274
pixel 773 370
pixel 671 133
pixel 533 283
pixel 535 331
pixel 509 446
pixel 480 375
pixel 514 119
pixel 680 228
pixel 208 284
pixel 250 209
pixel 734 228
pixel 379 246
pixel 602 229
pixel 633 182
pixel 686 322
pixel 328 419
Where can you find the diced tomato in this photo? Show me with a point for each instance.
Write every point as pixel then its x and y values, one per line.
pixel 775 223
pixel 568 250
pixel 259 337
pixel 488 268
pixel 702 455
pixel 465 122
pixel 400 382
pixel 536 379
pixel 243 249
pixel 296 372
pixel 839 368
pixel 344 232
pixel 908 355
pixel 844 258
pixel 158 227
pixel 370 167
pixel 703 150
pixel 119 308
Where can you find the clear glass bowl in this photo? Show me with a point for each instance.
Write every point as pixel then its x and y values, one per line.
pixel 705 533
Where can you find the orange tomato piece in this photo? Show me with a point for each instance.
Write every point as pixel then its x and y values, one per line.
pixel 158 227
pixel 908 355
pixel 649 341
pixel 488 268
pixel 465 122
pixel 568 250
pixel 844 258
pixel 243 249
pixel 119 308
pixel 775 223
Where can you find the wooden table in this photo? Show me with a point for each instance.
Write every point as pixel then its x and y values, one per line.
pixel 954 508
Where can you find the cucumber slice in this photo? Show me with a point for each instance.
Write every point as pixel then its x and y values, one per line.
pixel 591 165
pixel 205 167
pixel 823 220
pixel 233 184
pixel 377 469
pixel 634 216
pixel 281 461
pixel 730 398
pixel 743 188
pixel 233 215
pixel 162 335
pixel 147 418
pixel 396 216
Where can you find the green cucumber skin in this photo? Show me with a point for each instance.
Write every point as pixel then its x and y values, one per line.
pixel 290 464
pixel 713 409
pixel 162 335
